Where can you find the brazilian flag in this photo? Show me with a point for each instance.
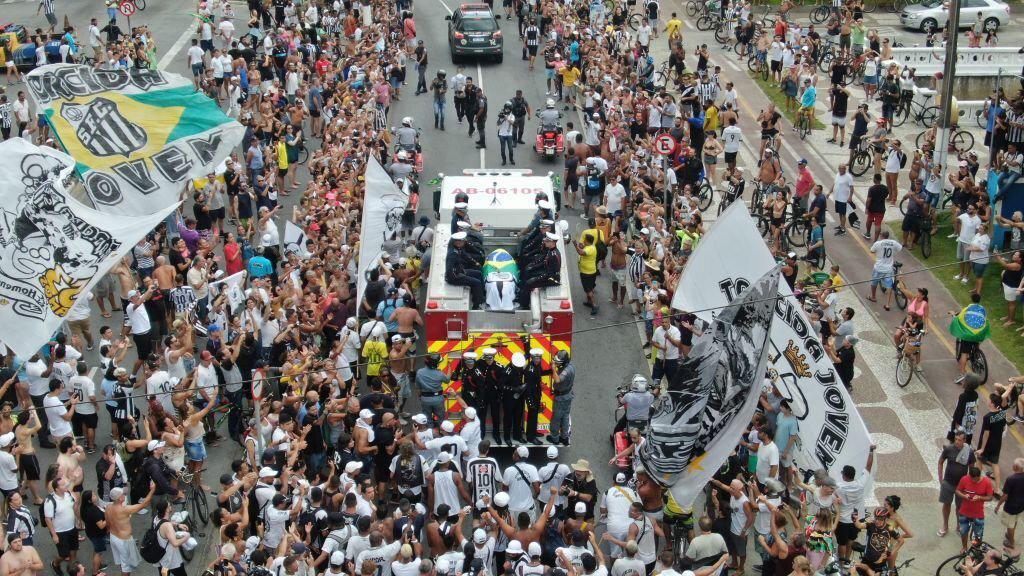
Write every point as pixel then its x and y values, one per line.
pixel 971 324
pixel 500 261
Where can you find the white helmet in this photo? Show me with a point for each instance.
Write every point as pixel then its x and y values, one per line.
pixel 550 103
pixel 638 384
pixel 402 155
pixel 407 121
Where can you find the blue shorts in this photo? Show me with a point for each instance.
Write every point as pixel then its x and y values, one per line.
pixel 975 525
pixel 549 73
pixel 197 69
pixel 933 199
pixel 196 451
pixel 979 269
pixel 99 544
pixel 883 278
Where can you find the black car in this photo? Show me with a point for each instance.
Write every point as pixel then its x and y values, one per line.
pixel 473 31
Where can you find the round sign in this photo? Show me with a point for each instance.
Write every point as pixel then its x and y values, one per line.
pixel 664 144
pixel 127 7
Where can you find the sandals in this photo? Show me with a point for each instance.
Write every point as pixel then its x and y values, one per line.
pixel 942 532
pixel 105 314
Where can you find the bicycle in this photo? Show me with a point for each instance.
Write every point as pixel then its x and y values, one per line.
pixel 803 125
pixel 139 4
pixel 923 115
pixel 959 140
pixel 198 508
pixel 862 157
pixel 954 565
pixel 758 64
pixel 908 358
pixel 895 570
pixel 821 14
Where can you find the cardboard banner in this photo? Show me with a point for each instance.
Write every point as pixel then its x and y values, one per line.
pixel 728 259
pixel 234 286
pixel 382 217
pixel 703 411
pixel 52 248
pixel 137 135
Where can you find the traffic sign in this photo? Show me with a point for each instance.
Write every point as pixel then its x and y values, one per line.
pixel 664 144
pixel 127 7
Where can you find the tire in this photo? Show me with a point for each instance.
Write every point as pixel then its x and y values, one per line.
pixel 896 6
pixel 962 141
pixel 499 58
pixel 796 233
pixel 901 115
pixel 929 25
pixel 805 128
pixel 764 227
pixel 899 297
pixel 722 33
pixel 819 260
pixel 722 205
pixel 979 117
pixel 929 116
pixel 704 196
pixel 821 14
pixel 660 79
pixel 825 62
pixel 919 139
pixel 870 7
pixel 140 4
pixel 704 23
pixel 926 245
pixel 634 21
pixel 764 71
pixel 904 371
pixel 754 63
pixel 303 155
pixel 861 163
pixel 692 8
pixel 202 506
pixel 979 365
pixel 951 566
pixel 991 24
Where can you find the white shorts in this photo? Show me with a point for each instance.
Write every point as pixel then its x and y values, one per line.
pixel 620 277
pixel 1010 293
pixel 125 554
pixel 838 121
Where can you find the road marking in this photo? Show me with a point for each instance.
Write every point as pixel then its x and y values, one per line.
pixel 178 45
pixel 733 65
pixel 688 24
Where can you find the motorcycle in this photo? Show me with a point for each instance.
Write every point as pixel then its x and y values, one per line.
pixel 549 142
pixel 415 150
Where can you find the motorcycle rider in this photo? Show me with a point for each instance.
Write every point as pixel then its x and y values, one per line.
pixel 439 87
pixel 549 116
pixel 401 168
pixel 407 136
pixel 532 388
pixel 458 85
pixel 637 402
pixel 521 109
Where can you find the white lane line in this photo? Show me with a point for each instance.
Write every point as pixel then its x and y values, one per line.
pixel 688 24
pixel 178 45
pixel 732 65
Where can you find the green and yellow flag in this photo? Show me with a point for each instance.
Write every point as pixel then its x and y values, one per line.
pixel 971 324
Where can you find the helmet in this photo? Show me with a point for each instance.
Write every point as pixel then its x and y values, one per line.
pixel 562 358
pixel 638 384
pixel 441 73
pixel 402 155
pixel 508 104
pixel 433 360
pixel 407 121
pixel 550 103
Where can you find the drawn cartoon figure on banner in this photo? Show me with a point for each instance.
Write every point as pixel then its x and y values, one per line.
pixel 785 369
pixel 43 243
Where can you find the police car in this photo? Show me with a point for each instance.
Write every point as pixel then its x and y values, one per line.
pixel 473 31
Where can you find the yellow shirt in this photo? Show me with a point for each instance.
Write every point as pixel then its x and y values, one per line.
pixel 673 27
pixel 711 119
pixel 837 282
pixel 282 156
pixel 569 76
pixel 588 260
pixel 376 354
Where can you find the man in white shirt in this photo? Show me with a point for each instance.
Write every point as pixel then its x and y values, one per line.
pixel 615 507
pixel 59 517
pixel 226 30
pixel 161 385
pixel 978 254
pixel 767 456
pixel 522 484
pixel 57 414
pixel 850 490
pixel 96 42
pixel 138 321
pixel 666 339
pixel 552 474
pixel 842 190
pixel 8 465
pixel 969 225
pixel 732 136
pixel 471 433
pixel 615 197
pixel 83 390
pixel 885 251
pixel 380 553
pixel 196 61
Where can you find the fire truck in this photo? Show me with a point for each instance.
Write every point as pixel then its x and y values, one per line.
pixel 501 203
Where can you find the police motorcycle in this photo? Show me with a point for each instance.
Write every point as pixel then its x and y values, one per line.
pixel 407 140
pixel 550 142
pixel 621 437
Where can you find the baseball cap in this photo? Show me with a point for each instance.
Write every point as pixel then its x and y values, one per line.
pixel 267 472
pixel 448 426
pixel 501 499
pixel 419 419
pixel 479 536
pixel 620 478
pixel 534 549
pixel 337 558
pixel 802 161
pixel 552 452
pixel 523 452
pixel 365 413
pixel 444 458
pixel 471 413
pixel 132 294
pixel 155 445
pixel 580 508
pixel 352 466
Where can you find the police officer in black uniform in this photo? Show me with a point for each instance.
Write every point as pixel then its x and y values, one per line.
pixel 490 394
pixel 533 243
pixel 512 399
pixel 460 269
pixel 468 372
pixel 545 271
pixel 460 213
pixel 533 387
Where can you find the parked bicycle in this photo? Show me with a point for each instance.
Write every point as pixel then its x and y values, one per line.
pixel 954 565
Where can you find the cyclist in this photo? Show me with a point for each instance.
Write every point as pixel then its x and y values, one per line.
pixel 908 338
pixel 679 521
pixel 807 101
pixel 970 327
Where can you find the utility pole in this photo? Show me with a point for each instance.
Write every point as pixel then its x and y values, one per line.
pixel 946 120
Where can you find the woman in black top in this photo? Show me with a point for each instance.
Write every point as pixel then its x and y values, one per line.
pixel 1011 278
pixel 95 528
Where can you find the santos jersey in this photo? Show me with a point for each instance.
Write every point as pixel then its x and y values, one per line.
pixel 483 474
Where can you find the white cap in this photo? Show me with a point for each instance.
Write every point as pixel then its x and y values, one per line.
pixel 447 426
pixel 546 222
pixel 551 236
pixel 518 360
pixel 534 549
pixel 552 452
pixel 489 351
pixel 6 439
pixel 471 413
pixel 267 472
pixel 461 205
pixel 479 536
pixel 155 445
pixel 523 452
pixel 459 236
pixel 545 204
pixel 443 565
pixel 396 338
pixel 132 294
pixel 268 239
pixel 419 419
pixel 463 224
pixel 514 547
pixel 352 466
pixel 470 355
pixel 501 499
pixel 536 351
pixel 580 508
pixel 444 458
pixel 337 558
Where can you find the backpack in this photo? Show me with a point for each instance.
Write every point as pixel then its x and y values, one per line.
pixel 150 548
pixel 602 247
pixel 903 159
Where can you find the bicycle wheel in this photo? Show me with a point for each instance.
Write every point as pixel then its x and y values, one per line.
pixel 722 205
pixel 903 205
pixel 821 14
pixel 704 196
pixel 901 115
pixel 904 371
pixel 705 23
pixel 796 233
pixel 660 79
pixel 951 566
pixel 825 61
pixel 817 260
pixel 722 33
pixel 929 115
pixel 140 4
pixel 979 365
pixel 303 155
pixel 200 506
pixel 861 163
pixel 635 21
pixel 805 127
pixel 979 117
pixel 920 139
pixel 870 7
pixel 962 141
pixel 899 297
pixel 896 6
pixel 692 8
pixel 763 226
pixel 926 245
pixel 754 63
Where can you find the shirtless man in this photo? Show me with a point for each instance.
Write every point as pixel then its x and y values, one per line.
pixel 20 559
pixel 125 283
pixel 408 318
pixel 164 275
pixel 525 533
pixel 69 463
pixel 118 515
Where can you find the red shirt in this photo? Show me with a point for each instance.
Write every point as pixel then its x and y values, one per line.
pixel 982 487
pixel 804 183
pixel 233 258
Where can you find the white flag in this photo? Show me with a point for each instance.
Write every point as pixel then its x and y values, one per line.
pixel 233 287
pixel 295 240
pixel 702 412
pixel 52 248
pixel 137 135
pixel 383 206
pixel 728 258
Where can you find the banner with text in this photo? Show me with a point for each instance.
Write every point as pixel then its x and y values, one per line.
pixel 136 135
pixel 383 206
pixel 728 259
pixel 52 248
